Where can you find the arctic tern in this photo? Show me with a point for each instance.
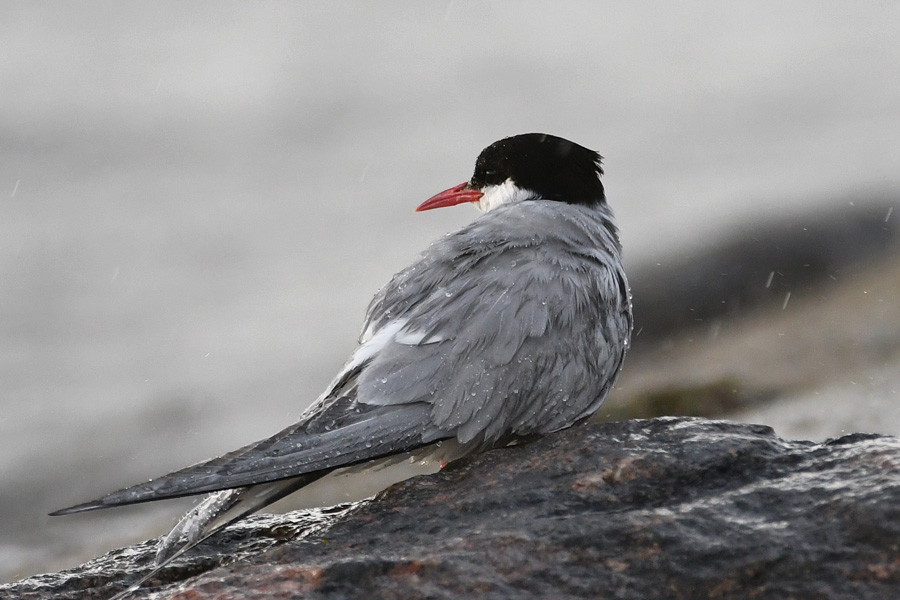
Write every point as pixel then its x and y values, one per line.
pixel 515 325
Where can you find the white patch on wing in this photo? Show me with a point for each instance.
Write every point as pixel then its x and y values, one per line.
pixel 376 342
pixel 372 343
pixel 416 338
pixel 498 195
pixel 367 334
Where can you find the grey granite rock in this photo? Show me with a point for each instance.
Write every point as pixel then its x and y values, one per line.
pixel 661 508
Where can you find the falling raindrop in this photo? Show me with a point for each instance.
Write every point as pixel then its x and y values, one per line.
pixel 786 299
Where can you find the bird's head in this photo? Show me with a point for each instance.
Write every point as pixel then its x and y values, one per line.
pixel 531 166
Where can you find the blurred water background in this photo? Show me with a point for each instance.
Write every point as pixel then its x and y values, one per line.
pixel 198 200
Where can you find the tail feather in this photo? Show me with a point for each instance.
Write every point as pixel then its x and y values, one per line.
pixel 214 513
pixel 220 509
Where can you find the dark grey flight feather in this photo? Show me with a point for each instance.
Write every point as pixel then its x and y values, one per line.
pixel 376 432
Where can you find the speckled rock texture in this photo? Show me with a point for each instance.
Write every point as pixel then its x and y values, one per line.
pixel 663 508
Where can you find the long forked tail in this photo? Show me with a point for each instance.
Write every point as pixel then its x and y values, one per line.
pixel 212 514
pixel 223 508
pixel 220 509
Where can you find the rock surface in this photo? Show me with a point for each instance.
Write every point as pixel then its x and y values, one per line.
pixel 662 508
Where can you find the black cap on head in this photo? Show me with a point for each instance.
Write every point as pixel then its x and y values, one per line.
pixel 550 166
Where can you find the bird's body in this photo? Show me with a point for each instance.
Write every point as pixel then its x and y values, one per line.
pixel 513 326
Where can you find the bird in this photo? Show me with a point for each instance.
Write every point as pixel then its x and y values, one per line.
pixel 514 326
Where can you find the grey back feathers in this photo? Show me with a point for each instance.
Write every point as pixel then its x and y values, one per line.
pixel 512 326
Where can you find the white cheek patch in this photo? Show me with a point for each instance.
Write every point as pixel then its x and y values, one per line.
pixel 498 195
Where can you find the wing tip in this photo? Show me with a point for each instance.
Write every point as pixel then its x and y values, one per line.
pixel 78 508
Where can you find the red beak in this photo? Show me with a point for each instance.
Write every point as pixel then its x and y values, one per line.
pixel 455 195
